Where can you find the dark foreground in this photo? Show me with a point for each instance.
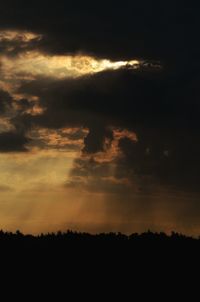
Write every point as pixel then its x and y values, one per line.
pixel 82 263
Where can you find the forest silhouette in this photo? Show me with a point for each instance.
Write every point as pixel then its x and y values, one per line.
pixel 116 249
pixel 98 259
pixel 69 240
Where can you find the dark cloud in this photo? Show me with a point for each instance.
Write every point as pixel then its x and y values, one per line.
pixel 172 161
pixel 13 142
pixel 165 31
pixel 150 98
pixel 5 102
pixel 24 105
pixel 162 109
pixel 94 141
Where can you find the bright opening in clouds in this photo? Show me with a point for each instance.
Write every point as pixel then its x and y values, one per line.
pixel 37 64
pixel 21 60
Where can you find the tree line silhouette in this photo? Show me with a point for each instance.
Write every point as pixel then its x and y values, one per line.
pixel 110 255
pixel 70 237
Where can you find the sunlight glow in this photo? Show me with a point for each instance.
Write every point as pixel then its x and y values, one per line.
pixel 34 63
pixel 19 36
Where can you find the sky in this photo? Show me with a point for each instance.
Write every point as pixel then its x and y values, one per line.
pixel 99 116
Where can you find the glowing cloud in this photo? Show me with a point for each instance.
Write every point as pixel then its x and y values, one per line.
pixel 34 63
pixel 23 36
pixel 22 60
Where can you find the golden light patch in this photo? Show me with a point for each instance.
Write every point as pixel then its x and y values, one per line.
pixel 34 63
pixel 16 35
pixel 124 133
pixel 35 169
pixel 27 64
pixel 66 139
